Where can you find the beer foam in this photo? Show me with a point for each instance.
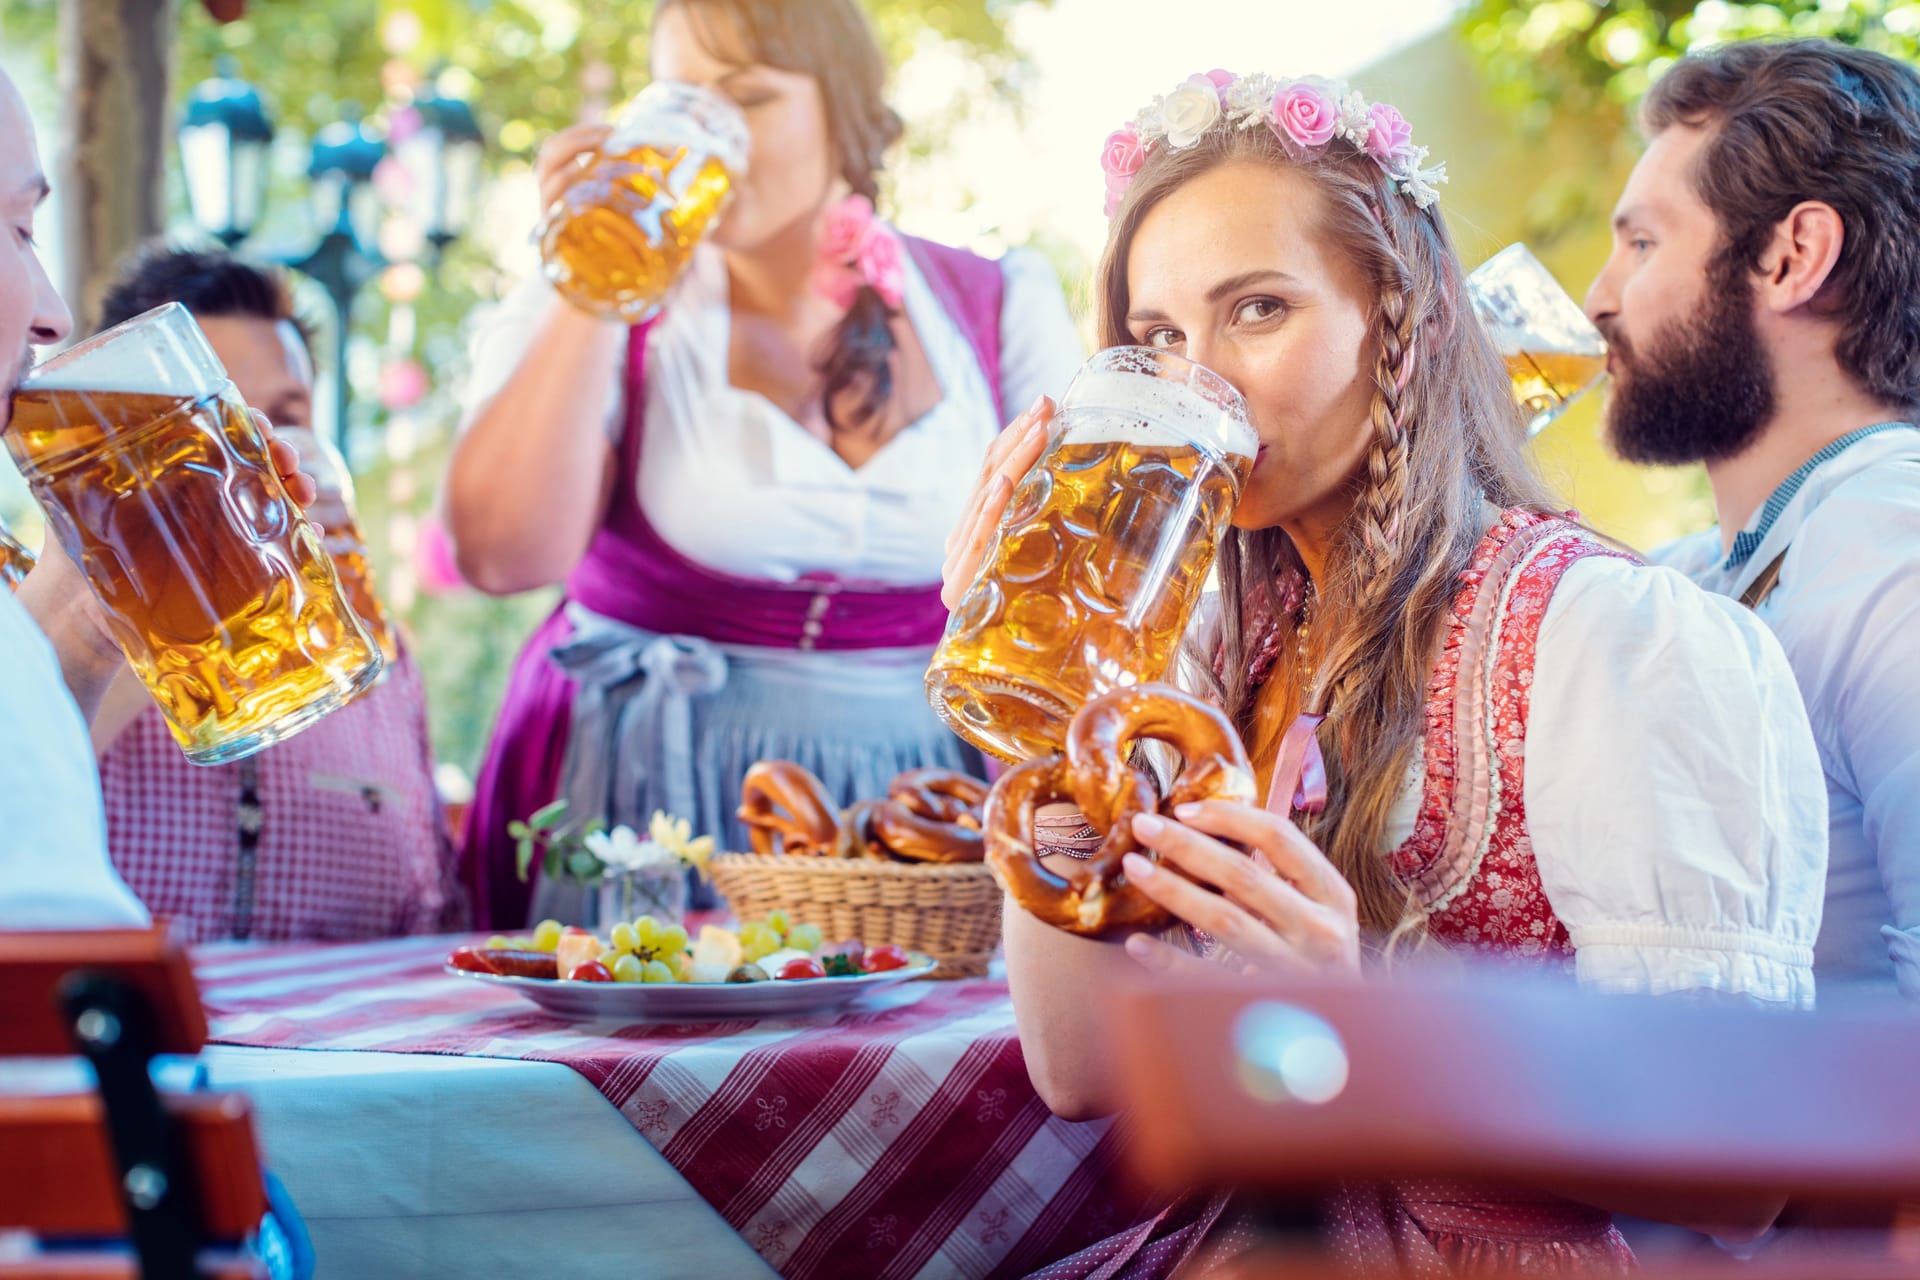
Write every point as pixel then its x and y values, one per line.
pixel 160 357
pixel 1169 414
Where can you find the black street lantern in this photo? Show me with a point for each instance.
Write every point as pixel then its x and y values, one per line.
pixel 346 210
pixel 224 137
pixel 345 154
pixel 442 157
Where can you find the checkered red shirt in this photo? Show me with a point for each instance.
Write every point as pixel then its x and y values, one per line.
pixel 350 842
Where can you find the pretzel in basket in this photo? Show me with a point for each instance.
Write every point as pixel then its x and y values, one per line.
pixel 779 798
pixel 1094 897
pixel 930 815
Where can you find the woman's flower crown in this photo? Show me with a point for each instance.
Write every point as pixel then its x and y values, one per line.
pixel 1308 114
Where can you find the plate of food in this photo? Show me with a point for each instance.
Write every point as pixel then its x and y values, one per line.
pixel 648 971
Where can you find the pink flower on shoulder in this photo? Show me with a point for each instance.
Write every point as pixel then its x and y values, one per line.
pixel 845 227
pixel 1389 136
pixel 1122 154
pixel 881 265
pixel 1305 115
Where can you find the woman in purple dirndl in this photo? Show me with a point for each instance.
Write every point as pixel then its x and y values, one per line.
pixel 747 497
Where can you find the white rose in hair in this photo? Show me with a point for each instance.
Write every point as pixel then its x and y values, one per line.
pixel 1189 111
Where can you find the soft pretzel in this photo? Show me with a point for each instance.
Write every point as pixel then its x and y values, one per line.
pixel 941 795
pixel 929 815
pixel 781 798
pixel 856 834
pixel 909 836
pixel 1095 897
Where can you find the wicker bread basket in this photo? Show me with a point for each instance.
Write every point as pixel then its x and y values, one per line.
pixel 949 911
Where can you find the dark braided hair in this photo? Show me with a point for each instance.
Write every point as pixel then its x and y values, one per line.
pixel 831 41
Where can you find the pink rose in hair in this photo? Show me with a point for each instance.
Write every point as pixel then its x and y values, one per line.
pixel 1117 185
pixel 1222 80
pixel 835 282
pixel 1305 115
pixel 1122 154
pixel 846 226
pixel 881 266
pixel 1389 136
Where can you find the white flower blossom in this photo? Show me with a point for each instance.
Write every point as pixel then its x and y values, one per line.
pixel 1355 125
pixel 1189 111
pixel 622 849
pixel 1250 99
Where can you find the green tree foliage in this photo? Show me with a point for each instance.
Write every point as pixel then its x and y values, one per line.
pixel 1599 56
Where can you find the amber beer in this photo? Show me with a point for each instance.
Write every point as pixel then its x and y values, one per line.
pixel 1092 576
pixel 1553 352
pixel 338 515
pixel 156 480
pixel 621 233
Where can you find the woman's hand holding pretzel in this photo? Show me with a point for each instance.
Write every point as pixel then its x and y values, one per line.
pixel 1285 909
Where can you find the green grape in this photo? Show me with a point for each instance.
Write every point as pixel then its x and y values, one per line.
pixel 499 942
pixel 647 930
pixel 751 935
pixel 624 938
pixel 546 935
pixel 778 923
pixel 804 937
pixel 655 971
pixel 673 939
pixel 629 968
pixel 762 945
pixel 678 963
pixel 608 958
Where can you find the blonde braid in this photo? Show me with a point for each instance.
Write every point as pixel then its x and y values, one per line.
pixel 1384 496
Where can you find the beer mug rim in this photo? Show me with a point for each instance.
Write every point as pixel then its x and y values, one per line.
pixel 184 350
pixel 718 123
pixel 1208 411
pixel 1518 259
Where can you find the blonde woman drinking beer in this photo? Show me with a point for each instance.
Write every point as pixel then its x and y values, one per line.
pixel 1636 801
pixel 746 496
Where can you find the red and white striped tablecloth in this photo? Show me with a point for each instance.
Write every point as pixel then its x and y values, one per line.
pixel 896 1139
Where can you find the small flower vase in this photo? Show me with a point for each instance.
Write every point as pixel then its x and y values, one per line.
pixel 657 892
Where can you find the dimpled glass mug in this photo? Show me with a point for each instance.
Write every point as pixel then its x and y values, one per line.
pixel 156 480
pixel 1094 571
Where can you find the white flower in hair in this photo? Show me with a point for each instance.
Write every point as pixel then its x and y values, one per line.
pixel 1355 123
pixel 1421 186
pixel 1189 111
pixel 1250 98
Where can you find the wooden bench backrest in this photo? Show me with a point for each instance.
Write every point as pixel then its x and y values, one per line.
pixel 1522 1081
pixel 33 964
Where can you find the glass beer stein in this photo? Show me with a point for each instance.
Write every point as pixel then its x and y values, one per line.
pixel 618 237
pixel 15 560
pixel 338 516
pixel 156 480
pixel 1093 574
pixel 1553 352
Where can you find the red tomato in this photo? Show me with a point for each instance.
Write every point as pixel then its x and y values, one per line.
pixel 801 967
pixel 884 957
pixel 591 971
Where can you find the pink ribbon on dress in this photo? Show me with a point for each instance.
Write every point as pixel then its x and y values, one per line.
pixel 1300 772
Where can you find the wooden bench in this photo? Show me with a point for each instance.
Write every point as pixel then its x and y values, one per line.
pixel 144 1183
pixel 1283 1089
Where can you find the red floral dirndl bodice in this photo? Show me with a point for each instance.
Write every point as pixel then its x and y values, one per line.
pixel 1470 865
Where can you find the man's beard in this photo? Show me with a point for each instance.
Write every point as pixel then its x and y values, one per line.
pixel 1705 389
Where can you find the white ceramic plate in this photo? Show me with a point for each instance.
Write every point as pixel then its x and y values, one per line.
pixel 697 1001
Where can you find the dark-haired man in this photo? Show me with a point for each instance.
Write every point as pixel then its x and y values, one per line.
pixel 1762 304
pixel 335 834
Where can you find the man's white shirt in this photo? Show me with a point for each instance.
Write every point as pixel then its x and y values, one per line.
pixel 1847 611
pixel 54 872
